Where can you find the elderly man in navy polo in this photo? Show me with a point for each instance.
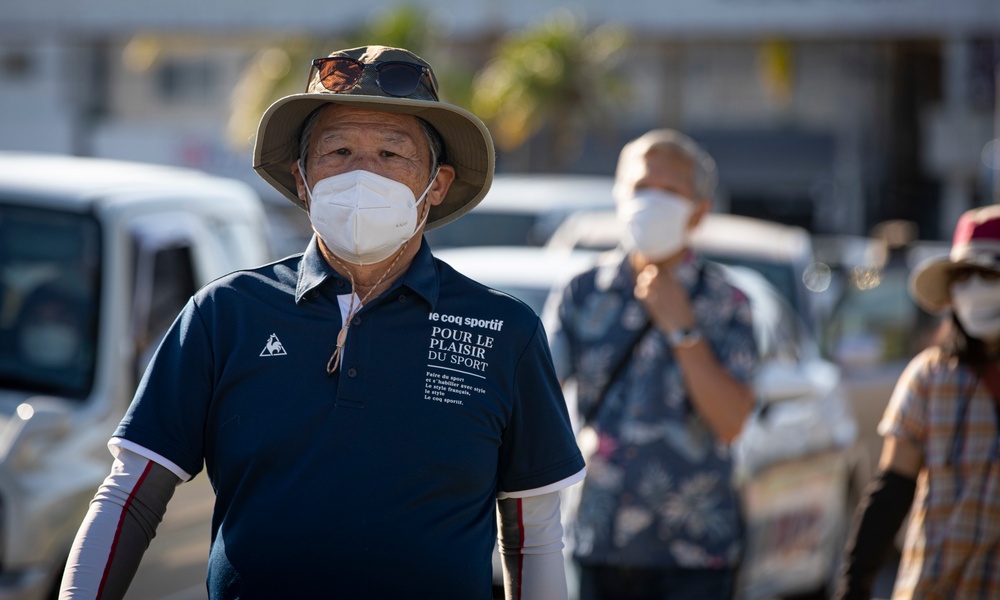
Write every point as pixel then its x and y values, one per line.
pixel 363 410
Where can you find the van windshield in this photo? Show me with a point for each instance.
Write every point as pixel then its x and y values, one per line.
pixel 49 289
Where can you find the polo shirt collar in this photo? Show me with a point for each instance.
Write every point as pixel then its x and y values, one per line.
pixel 313 271
pixel 421 277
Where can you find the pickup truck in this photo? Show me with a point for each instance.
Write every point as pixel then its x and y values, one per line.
pixel 97 257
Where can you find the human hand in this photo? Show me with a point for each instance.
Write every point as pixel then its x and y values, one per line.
pixel 664 298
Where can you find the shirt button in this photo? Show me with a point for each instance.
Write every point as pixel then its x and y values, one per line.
pixel 352 372
pixel 402 298
pixel 340 283
pixel 314 293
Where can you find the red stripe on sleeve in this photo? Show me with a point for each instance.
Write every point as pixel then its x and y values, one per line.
pixel 121 523
pixel 520 557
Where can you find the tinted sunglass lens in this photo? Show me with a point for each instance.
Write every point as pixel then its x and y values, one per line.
pixel 399 79
pixel 339 75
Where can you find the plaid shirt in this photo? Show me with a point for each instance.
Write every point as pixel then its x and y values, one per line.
pixel 658 490
pixel 953 541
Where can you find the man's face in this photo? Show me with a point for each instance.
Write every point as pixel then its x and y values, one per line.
pixel 387 144
pixel 667 170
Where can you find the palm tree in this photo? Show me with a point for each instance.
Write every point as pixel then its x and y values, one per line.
pixel 274 72
pixel 555 77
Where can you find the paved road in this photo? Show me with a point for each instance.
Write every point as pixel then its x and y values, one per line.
pixel 173 567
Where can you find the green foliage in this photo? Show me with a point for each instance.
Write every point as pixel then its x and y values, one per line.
pixel 281 68
pixel 556 75
pixel 402 26
pixel 412 27
pixel 559 77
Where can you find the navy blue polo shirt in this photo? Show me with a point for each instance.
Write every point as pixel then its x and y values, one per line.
pixel 378 481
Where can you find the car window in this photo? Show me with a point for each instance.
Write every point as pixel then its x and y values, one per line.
pixel 876 321
pixel 488 229
pixel 49 291
pixel 164 280
pixel 779 331
pixel 781 275
pixel 524 209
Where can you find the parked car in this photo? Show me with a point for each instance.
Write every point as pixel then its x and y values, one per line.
pixel 524 209
pixel 782 253
pixel 874 327
pixel 97 257
pixel 795 460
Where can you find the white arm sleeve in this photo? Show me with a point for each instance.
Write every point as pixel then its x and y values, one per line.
pixel 118 528
pixel 531 543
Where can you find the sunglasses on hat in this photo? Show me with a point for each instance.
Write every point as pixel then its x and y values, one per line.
pixel 395 78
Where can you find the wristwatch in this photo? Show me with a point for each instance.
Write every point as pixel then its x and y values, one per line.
pixel 684 337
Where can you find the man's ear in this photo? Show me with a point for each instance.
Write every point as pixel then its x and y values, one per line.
pixel 701 208
pixel 300 184
pixel 442 183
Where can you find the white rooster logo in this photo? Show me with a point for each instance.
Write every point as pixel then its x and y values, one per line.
pixel 273 347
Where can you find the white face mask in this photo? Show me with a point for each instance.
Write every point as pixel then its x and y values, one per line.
pixel 363 217
pixel 656 222
pixel 50 345
pixel 977 306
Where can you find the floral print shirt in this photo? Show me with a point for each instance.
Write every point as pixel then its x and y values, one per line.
pixel 658 491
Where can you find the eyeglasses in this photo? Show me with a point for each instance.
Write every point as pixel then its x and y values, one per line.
pixel 396 78
pixel 965 273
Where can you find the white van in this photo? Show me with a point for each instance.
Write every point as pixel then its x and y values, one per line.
pixel 97 257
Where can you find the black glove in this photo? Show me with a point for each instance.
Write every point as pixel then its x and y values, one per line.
pixel 877 519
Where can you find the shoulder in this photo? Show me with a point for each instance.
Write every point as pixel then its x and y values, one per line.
pixel 930 363
pixel 605 275
pixel 278 277
pixel 465 301
pixel 721 284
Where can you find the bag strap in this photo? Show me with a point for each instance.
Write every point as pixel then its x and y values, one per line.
pixel 627 354
pixel 615 372
pixel 991 376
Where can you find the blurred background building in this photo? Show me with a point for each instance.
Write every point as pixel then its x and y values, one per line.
pixel 830 114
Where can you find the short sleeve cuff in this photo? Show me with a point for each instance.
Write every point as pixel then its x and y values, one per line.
pixel 116 442
pixel 552 487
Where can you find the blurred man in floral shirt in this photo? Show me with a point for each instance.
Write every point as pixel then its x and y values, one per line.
pixel 661 349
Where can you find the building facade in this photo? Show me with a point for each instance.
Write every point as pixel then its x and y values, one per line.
pixel 831 114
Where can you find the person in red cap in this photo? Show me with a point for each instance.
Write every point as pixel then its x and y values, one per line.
pixel 941 454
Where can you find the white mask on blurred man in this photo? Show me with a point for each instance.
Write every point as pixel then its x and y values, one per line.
pixel 656 222
pixel 362 217
pixel 977 306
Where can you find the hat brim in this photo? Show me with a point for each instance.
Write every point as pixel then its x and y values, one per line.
pixel 930 281
pixel 467 142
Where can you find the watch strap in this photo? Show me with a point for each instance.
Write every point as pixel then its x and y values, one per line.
pixel 684 337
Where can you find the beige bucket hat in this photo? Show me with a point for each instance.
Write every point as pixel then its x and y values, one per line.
pixel 976 244
pixel 468 144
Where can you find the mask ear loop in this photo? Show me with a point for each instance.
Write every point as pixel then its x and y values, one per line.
pixel 335 359
pixel 305 182
pixel 423 197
